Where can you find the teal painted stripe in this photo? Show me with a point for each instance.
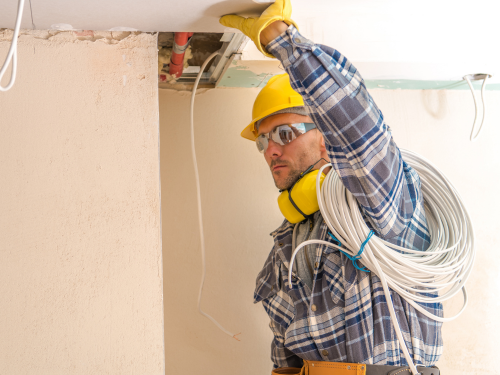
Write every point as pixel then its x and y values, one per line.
pixel 242 76
pixel 406 84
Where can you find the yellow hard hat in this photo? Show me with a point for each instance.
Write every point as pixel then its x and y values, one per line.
pixel 276 95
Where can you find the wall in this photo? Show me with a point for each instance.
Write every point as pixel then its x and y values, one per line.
pixel 80 248
pixel 240 210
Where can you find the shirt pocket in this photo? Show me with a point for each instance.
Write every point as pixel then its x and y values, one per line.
pixel 278 304
pixel 334 278
pixel 267 283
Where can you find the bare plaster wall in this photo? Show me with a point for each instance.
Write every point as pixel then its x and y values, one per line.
pixel 80 240
pixel 240 210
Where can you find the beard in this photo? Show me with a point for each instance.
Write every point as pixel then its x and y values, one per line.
pixel 289 180
pixel 303 157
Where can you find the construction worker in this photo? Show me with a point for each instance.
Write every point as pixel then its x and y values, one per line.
pixel 319 111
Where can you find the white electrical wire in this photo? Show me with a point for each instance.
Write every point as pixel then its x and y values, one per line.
pixel 443 268
pixel 12 54
pixel 198 195
pixel 472 137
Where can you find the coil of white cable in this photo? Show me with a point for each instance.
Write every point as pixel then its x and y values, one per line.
pixel 442 269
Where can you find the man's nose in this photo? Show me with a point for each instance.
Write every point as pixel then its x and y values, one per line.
pixel 273 149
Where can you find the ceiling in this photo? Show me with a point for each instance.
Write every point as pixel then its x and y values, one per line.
pixel 440 40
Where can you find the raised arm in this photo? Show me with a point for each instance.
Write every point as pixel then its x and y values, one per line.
pixel 359 143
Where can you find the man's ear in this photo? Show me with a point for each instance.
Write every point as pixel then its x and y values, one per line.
pixel 321 141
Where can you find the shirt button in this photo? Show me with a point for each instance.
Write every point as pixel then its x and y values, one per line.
pixel 313 307
pixel 324 353
pixel 316 265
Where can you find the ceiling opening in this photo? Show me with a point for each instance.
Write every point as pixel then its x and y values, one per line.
pixel 201 46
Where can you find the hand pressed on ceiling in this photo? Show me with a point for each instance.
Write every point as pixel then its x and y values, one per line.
pixel 281 10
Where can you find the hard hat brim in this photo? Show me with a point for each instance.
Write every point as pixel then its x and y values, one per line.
pixel 251 134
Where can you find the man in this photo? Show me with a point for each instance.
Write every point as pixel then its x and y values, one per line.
pixel 334 312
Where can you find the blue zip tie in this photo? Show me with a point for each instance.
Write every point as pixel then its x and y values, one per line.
pixel 357 257
pixel 335 238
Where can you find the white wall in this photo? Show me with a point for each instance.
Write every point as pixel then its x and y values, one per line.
pixel 80 240
pixel 240 210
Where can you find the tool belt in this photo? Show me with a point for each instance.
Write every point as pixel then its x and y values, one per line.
pixel 341 368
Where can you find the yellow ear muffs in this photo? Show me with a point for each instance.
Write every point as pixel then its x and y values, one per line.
pixel 301 201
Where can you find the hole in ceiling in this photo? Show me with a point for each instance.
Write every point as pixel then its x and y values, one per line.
pixel 201 46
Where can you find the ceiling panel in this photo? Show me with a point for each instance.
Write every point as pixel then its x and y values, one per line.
pixel 144 15
pixel 443 39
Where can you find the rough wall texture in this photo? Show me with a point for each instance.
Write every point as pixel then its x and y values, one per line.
pixel 240 210
pixel 80 240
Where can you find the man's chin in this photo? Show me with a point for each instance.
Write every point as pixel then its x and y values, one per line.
pixel 279 180
pixel 284 180
pixel 282 185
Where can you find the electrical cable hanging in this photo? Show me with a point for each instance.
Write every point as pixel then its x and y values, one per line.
pixel 198 195
pixel 443 268
pixel 476 77
pixel 12 54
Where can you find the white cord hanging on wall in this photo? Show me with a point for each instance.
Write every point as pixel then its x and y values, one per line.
pixel 198 194
pixel 12 54
pixel 477 77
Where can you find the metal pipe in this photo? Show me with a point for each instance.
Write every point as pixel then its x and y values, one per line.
pixel 181 43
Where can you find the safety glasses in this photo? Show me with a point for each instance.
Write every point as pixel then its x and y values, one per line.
pixel 283 134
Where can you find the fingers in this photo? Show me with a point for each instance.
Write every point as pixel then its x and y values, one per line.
pixel 281 10
pixel 278 7
pixel 287 9
pixel 232 20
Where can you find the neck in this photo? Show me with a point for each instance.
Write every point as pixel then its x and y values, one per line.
pixel 315 166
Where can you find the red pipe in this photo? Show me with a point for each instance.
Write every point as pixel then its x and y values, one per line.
pixel 181 43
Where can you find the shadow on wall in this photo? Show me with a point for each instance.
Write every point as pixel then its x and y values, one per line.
pixel 435 103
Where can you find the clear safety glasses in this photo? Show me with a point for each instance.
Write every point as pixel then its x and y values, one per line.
pixel 283 134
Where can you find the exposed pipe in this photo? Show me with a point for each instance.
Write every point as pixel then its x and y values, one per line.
pixel 181 43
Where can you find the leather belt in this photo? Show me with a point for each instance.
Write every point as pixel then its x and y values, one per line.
pixel 341 368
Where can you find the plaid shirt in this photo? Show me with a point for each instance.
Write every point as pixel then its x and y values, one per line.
pixel 344 318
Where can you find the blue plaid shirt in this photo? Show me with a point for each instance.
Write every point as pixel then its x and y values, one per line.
pixel 349 320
